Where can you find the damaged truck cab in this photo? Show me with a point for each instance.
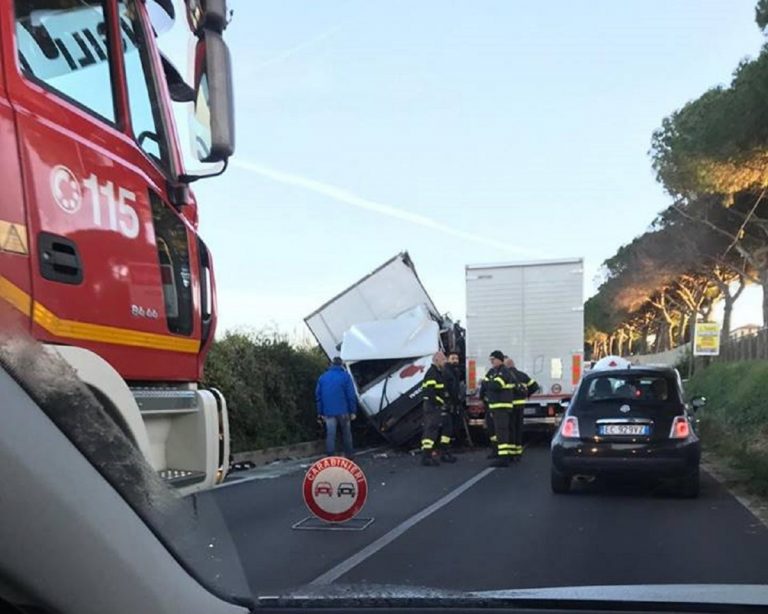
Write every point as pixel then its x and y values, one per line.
pixel 386 328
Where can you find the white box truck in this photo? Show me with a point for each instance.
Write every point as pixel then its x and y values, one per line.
pixel 534 313
pixel 386 328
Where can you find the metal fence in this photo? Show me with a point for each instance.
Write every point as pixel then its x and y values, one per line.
pixel 750 347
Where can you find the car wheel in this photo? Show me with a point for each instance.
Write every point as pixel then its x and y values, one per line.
pixel 561 483
pixel 690 486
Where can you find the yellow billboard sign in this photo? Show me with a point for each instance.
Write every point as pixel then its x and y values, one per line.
pixel 707 339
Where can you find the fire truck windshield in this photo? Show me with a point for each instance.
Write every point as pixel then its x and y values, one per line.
pixel 65 47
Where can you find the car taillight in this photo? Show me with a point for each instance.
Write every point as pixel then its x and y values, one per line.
pixel 680 428
pixel 570 428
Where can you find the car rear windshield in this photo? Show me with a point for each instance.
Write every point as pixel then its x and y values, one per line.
pixel 656 390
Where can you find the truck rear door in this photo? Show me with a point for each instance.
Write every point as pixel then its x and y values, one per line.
pixel 112 262
pixel 534 313
pixel 552 332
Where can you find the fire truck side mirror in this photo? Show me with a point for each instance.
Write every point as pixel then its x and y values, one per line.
pixel 206 15
pixel 213 118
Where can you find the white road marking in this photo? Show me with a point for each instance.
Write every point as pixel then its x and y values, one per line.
pixel 754 505
pixel 335 573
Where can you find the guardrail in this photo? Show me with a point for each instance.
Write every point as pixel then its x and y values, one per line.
pixel 670 357
pixel 269 455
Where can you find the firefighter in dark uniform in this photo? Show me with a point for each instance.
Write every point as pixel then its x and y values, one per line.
pixel 435 397
pixel 453 385
pixel 500 394
pixel 490 428
pixel 524 387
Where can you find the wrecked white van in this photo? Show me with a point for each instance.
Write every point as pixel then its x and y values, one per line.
pixel 386 328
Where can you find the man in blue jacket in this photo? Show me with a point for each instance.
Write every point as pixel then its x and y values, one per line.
pixel 336 406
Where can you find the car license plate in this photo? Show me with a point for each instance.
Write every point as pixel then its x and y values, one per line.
pixel 625 429
pixel 529 411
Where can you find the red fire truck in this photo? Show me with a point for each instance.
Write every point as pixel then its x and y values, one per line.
pixel 100 259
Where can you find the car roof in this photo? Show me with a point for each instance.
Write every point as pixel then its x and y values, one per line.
pixel 640 370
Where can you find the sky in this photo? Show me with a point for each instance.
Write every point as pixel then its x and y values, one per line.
pixel 464 132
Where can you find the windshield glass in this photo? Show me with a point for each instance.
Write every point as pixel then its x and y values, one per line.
pixel 146 112
pixel 655 390
pixel 480 303
pixel 63 45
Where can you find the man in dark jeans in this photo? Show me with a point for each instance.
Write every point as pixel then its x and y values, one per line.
pixel 337 406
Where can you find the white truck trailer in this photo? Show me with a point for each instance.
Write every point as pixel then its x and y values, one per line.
pixel 386 328
pixel 534 313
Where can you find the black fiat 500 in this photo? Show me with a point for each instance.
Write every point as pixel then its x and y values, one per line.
pixel 629 422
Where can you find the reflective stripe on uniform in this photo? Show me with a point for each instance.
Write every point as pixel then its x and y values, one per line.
pixel 494 439
pixel 506 449
pixel 439 400
pixel 499 381
pixel 501 405
pixel 431 383
pixel 427 444
pixel 531 382
pixel 444 439
pixel 519 402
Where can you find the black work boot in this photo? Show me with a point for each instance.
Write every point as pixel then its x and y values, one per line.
pixel 428 459
pixel 447 457
pixel 501 461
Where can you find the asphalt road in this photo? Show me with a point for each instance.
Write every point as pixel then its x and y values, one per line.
pixel 501 529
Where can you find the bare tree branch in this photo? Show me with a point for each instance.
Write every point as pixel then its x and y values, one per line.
pixel 739 234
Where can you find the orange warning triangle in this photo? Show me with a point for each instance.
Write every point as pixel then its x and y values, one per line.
pixel 14 241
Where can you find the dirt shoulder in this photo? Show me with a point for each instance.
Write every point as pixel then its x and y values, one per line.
pixel 737 481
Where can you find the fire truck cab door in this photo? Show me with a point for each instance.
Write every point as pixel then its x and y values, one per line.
pixel 110 259
pixel 15 288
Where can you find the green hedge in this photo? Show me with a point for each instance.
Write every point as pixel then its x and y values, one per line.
pixel 269 386
pixel 734 424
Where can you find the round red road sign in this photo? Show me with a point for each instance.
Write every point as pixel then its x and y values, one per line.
pixel 335 489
